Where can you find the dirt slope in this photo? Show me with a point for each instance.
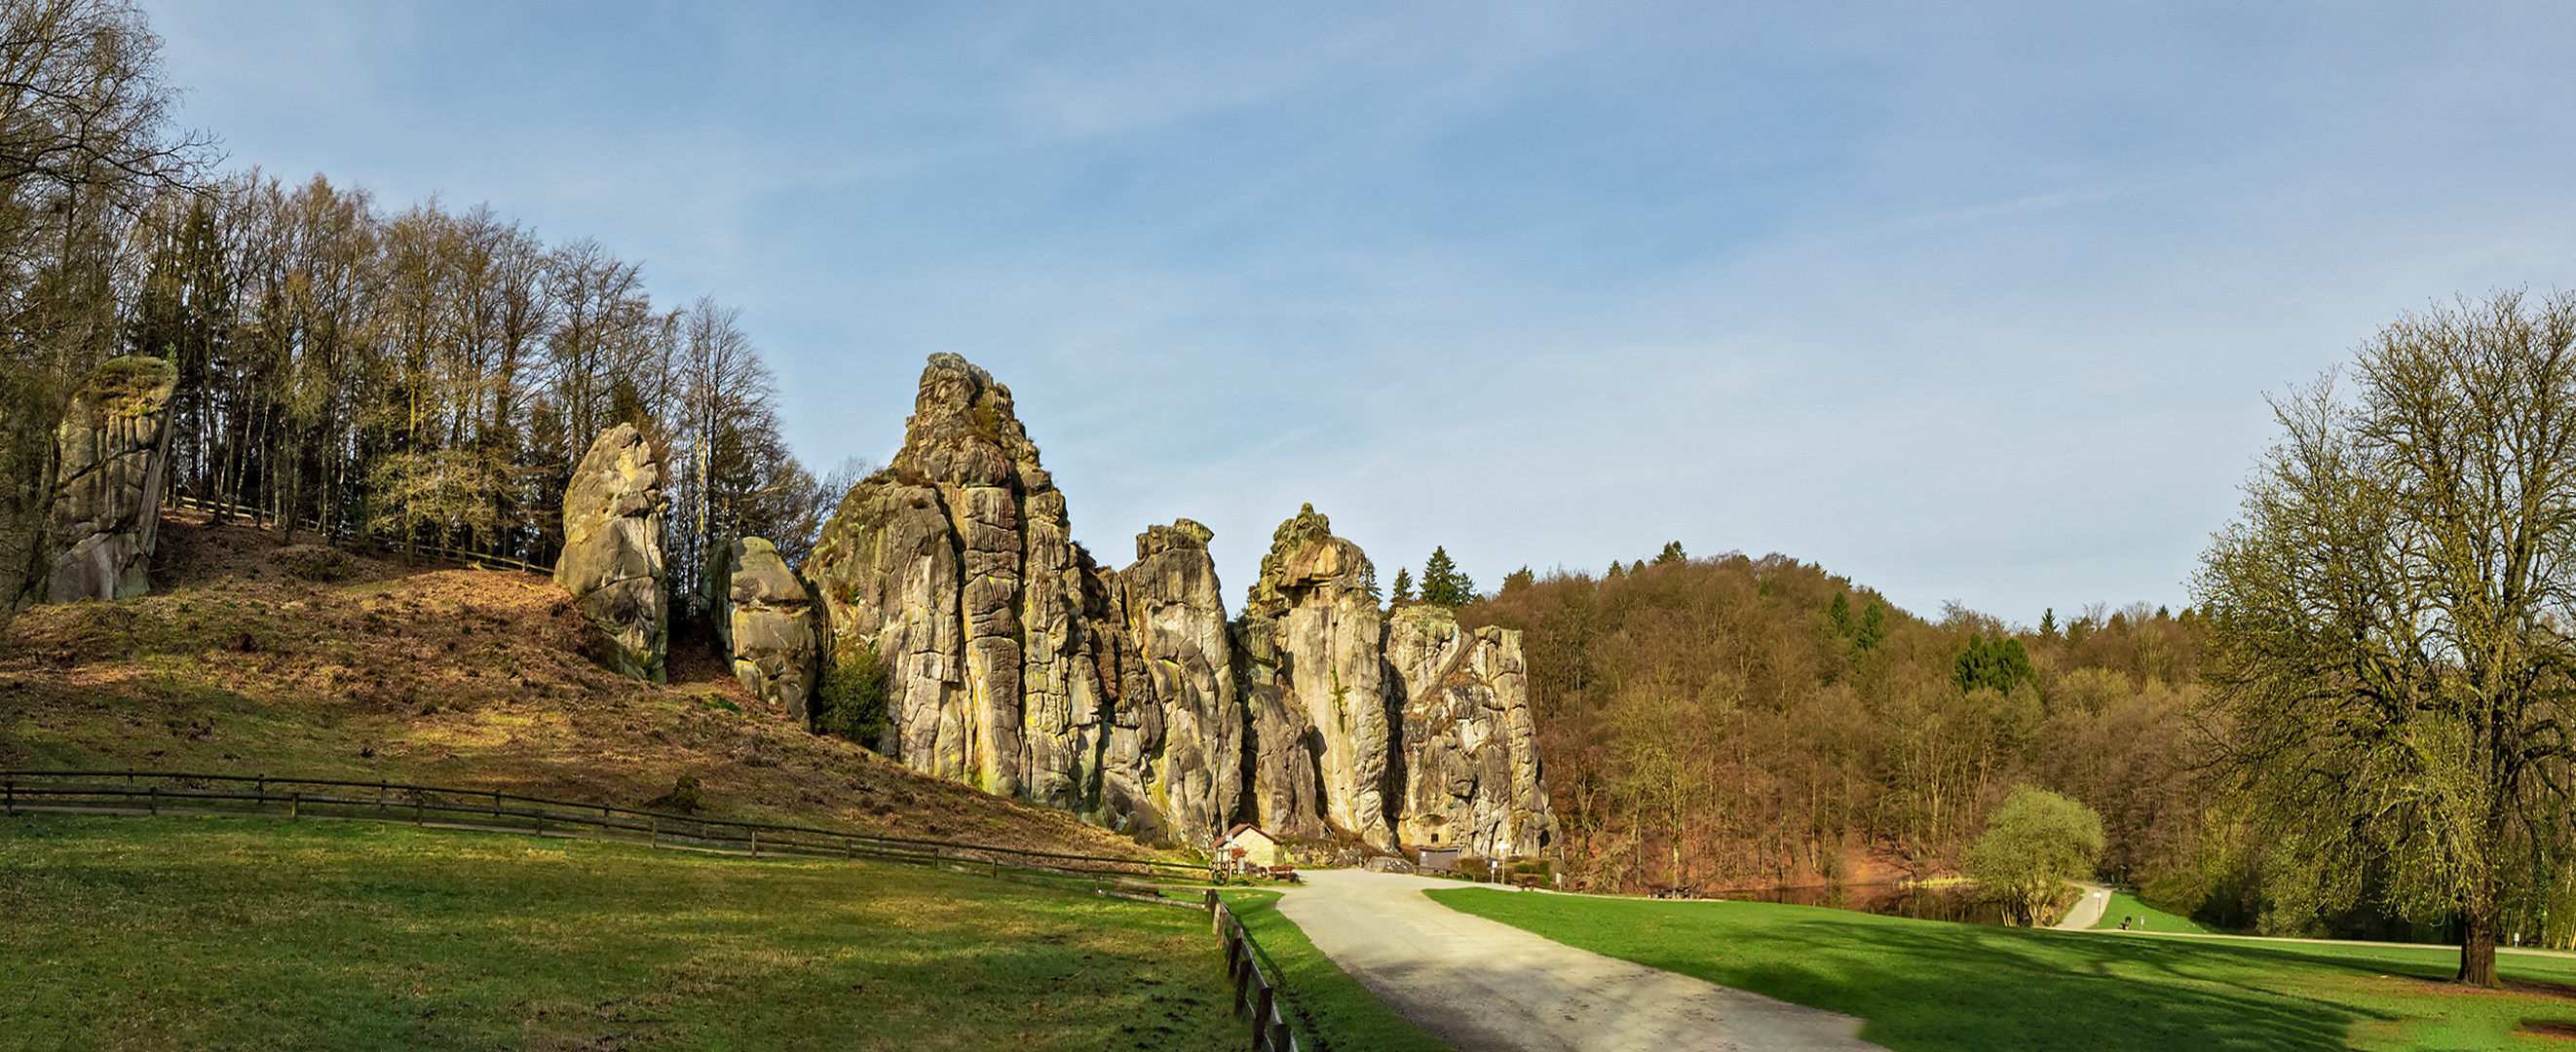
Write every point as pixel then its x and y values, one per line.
pixel 252 657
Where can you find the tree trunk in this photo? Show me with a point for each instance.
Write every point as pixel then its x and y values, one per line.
pixel 2478 935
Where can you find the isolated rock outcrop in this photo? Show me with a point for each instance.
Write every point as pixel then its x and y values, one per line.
pixel 765 619
pixel 1469 765
pixel 1317 633
pixel 1178 735
pixel 612 556
pixel 111 451
pixel 957 565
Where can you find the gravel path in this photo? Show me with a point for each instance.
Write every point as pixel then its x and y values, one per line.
pixel 2087 910
pixel 1481 985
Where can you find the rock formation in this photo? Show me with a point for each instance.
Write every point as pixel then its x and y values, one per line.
pixel 1015 663
pixel 612 556
pixel 765 619
pixel 1177 738
pixel 1469 764
pixel 956 563
pixel 1316 635
pixel 110 455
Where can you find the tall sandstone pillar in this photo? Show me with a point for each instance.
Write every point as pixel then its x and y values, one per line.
pixel 1178 744
pixel 612 557
pixel 1469 749
pixel 111 452
pixel 1317 639
pixel 956 564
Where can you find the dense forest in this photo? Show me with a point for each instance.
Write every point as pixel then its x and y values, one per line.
pixel 417 377
pixel 1739 722
pixel 1744 723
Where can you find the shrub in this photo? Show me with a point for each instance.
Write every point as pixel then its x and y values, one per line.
pixel 851 701
pixel 683 796
pixel 2033 845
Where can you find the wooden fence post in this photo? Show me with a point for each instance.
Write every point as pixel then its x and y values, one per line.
pixel 755 843
pixel 156 798
pixel 295 805
pixel 657 831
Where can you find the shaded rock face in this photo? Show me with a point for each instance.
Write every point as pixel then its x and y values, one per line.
pixel 765 619
pixel 1469 766
pixel 612 557
pixel 957 564
pixel 1176 743
pixel 1316 633
pixel 110 455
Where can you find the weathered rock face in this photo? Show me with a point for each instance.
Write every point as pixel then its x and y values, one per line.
pixel 110 452
pixel 765 619
pixel 1017 664
pixel 1283 747
pixel 612 557
pixel 1469 765
pixel 957 564
pixel 1323 636
pixel 1178 735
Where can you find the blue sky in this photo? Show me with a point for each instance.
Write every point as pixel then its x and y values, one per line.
pixel 1975 302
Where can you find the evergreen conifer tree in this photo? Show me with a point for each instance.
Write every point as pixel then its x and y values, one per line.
pixel 1443 584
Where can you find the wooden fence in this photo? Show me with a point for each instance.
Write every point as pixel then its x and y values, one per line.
pixel 1257 994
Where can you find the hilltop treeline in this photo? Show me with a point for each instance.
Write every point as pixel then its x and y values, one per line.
pixel 1740 722
pixel 413 376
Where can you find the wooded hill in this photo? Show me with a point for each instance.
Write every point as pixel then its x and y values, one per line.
pixel 1737 722
pixel 413 376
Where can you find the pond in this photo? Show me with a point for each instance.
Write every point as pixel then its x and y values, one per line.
pixel 1960 903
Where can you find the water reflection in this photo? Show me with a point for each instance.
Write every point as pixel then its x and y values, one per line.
pixel 1960 903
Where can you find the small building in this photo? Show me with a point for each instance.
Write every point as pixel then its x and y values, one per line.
pixel 1247 847
pixel 1439 859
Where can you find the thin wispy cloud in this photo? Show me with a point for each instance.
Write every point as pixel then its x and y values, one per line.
pixel 1975 304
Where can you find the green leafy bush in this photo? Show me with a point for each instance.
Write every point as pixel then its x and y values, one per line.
pixel 852 700
pixel 2033 845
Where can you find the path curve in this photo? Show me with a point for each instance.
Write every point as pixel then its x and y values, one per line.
pixel 1482 985
pixel 2088 910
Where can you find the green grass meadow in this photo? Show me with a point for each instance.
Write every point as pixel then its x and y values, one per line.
pixel 250 933
pixel 1926 986
pixel 1344 1016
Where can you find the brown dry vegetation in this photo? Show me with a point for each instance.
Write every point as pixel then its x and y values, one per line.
pixel 439 675
pixel 1709 723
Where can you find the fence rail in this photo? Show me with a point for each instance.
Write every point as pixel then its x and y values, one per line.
pixel 1258 995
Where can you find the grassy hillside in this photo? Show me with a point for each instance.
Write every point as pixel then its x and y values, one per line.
pixel 122 933
pixel 256 658
pixel 1925 986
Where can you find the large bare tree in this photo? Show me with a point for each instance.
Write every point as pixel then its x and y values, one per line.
pixel 2390 646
